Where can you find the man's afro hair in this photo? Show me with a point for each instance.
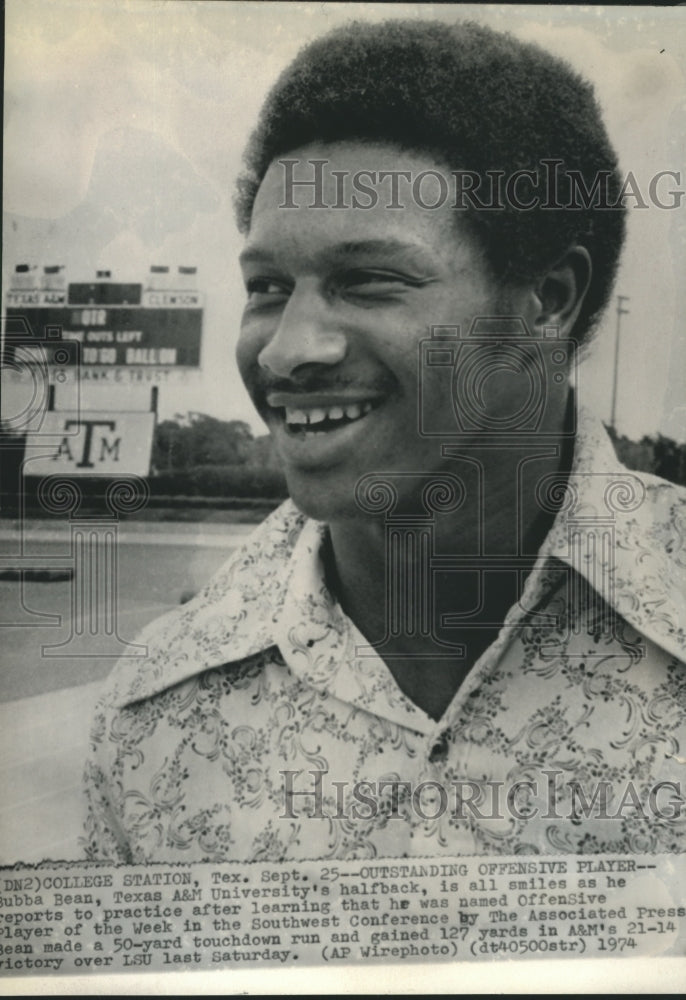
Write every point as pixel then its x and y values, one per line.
pixel 477 100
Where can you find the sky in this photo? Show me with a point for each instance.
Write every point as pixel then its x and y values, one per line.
pixel 125 122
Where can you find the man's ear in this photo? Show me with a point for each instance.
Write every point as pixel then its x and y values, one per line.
pixel 562 290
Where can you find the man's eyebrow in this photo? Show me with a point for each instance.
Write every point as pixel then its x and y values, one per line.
pixel 388 246
pixel 348 248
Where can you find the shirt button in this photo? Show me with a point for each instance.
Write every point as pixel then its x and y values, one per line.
pixel 439 751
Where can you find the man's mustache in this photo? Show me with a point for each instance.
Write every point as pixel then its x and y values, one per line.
pixel 318 382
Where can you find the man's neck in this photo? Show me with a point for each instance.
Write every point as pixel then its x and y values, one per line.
pixel 379 567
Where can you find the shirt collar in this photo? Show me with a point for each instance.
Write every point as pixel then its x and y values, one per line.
pixel 620 531
pixel 614 527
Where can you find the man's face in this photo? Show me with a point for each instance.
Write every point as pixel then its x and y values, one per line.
pixel 338 302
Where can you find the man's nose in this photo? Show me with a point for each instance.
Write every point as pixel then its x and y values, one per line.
pixel 306 334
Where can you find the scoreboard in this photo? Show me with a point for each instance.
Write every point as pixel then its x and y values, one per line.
pixel 116 324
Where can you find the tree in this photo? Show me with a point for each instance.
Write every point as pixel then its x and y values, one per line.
pixel 167 447
pixel 218 442
pixel 200 440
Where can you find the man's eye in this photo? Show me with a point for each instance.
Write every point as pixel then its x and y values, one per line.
pixel 375 283
pixel 264 286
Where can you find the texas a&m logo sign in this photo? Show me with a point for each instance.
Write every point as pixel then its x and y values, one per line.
pixel 90 443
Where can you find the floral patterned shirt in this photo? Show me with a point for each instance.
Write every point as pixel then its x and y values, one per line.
pixel 261 725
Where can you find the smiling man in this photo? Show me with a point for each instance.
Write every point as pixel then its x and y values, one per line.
pixel 461 635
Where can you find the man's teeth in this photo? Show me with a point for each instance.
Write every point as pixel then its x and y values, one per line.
pixel 318 414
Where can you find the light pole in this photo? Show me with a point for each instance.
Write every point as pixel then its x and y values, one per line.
pixel 620 312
